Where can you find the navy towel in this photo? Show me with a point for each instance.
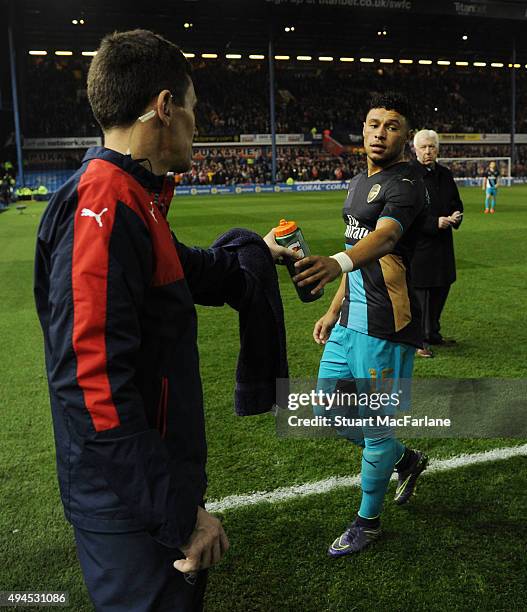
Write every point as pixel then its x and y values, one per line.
pixel 263 351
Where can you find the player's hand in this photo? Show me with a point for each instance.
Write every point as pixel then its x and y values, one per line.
pixel 206 546
pixel 316 268
pixel 276 250
pixel 324 326
pixel 456 217
pixel 444 222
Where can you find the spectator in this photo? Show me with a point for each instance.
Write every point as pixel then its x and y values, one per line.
pixel 5 190
pixel 433 263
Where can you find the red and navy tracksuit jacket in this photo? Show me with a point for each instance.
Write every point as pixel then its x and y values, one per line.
pixel 113 290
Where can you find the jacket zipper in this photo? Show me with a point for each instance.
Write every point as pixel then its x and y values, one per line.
pixel 162 407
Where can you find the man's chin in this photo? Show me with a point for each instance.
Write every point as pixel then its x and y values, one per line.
pixel 381 159
pixel 181 166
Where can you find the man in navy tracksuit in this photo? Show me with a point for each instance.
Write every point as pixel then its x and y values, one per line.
pixel 113 290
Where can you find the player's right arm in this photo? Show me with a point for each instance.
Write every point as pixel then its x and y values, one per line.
pixel 326 323
pixel 375 245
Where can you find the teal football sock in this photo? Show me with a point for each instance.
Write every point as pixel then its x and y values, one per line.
pixel 378 460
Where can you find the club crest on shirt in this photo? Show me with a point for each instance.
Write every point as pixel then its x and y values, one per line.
pixel 374 192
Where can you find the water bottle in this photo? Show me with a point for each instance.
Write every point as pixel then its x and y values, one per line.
pixel 289 235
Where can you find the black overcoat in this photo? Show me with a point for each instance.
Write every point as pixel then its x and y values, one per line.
pixel 433 263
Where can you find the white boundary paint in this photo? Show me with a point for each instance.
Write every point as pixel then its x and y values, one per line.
pixel 234 502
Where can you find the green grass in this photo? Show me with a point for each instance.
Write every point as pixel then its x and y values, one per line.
pixel 463 551
pixel 460 546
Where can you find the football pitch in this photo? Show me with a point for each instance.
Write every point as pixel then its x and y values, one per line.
pixel 459 545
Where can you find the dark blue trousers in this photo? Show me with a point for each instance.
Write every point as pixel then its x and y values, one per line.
pixel 131 572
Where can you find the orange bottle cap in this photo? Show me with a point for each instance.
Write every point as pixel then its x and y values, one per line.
pixel 285 227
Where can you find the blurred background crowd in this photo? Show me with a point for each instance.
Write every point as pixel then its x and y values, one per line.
pixel 310 100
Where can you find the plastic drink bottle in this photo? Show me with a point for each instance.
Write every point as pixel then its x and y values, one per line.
pixel 289 235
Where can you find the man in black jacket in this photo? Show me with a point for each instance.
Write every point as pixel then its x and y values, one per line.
pixel 434 264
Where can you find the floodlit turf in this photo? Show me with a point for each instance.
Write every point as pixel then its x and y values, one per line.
pixel 461 544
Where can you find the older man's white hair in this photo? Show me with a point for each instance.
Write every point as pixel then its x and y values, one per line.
pixel 429 134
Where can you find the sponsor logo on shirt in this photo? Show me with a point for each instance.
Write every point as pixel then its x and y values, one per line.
pixel 354 229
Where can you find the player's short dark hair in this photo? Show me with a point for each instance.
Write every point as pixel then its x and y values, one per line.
pixel 393 101
pixel 130 69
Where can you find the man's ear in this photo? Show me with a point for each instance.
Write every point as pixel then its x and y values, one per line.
pixel 163 106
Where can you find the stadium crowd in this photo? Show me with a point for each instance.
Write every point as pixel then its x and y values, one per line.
pixel 52 89
pixel 222 165
pixel 309 100
pixel 226 166
pixel 229 166
pixel 233 97
pixel 453 100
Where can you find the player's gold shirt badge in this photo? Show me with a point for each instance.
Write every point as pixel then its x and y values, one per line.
pixel 374 192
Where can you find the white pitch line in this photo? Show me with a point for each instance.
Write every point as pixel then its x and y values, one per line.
pixel 233 502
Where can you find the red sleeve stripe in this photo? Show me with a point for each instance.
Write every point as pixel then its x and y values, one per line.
pixel 93 226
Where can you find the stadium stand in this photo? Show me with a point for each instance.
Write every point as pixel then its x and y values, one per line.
pixel 233 100
pixel 233 97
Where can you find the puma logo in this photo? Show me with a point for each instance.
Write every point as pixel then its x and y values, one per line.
pixel 372 463
pixel 86 212
pixel 405 179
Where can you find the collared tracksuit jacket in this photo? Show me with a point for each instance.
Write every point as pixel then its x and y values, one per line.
pixel 113 290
